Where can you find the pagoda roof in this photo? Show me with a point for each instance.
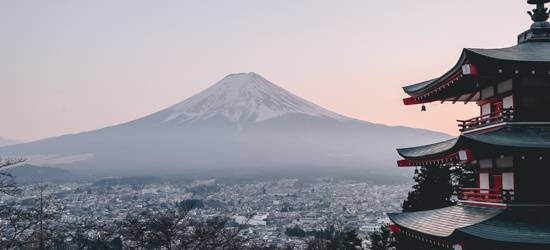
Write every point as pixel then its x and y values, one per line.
pixel 444 221
pixel 511 225
pixel 514 137
pixel 524 52
pixel 429 150
pixel 517 225
pixel 458 80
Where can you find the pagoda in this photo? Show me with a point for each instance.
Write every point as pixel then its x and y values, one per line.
pixel 507 147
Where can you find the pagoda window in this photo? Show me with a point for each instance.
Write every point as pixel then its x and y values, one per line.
pixel 486 164
pixel 486 109
pixel 508 181
pixel 504 87
pixel 487 92
pixel 508 102
pixel 505 162
pixel 484 182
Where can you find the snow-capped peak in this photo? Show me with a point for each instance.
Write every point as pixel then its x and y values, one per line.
pixel 245 97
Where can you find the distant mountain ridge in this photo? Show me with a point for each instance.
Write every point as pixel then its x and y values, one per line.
pixel 7 142
pixel 242 125
pixel 32 174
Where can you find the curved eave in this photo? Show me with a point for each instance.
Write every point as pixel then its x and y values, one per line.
pixel 517 137
pixel 423 87
pixel 429 151
pixel 511 137
pixel 444 221
pixel 457 76
pixel 514 226
pixel 524 226
pixel 534 52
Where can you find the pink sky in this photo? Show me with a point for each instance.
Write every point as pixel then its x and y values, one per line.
pixel 72 66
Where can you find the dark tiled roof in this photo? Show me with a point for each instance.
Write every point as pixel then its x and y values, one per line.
pixel 519 225
pixel 443 222
pixel 509 136
pixel 428 150
pixel 515 136
pixel 411 89
pixel 420 87
pixel 525 52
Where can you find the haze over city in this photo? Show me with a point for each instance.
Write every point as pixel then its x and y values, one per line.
pixel 274 124
pixel 69 66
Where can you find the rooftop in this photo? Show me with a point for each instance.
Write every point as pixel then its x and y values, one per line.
pixel 443 222
pixel 517 225
pixel 533 48
pixel 510 136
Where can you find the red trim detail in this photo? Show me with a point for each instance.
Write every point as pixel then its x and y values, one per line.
pixel 411 101
pixel 451 158
pixel 424 97
pixel 469 69
pixel 394 228
pixel 498 97
pixel 405 163
pixel 436 241
pixel 469 155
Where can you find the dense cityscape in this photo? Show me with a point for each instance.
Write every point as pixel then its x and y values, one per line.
pixel 265 209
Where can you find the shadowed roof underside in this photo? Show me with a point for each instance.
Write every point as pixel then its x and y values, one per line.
pixel 534 52
pixel 518 226
pixel 443 222
pixel 509 136
pixel 513 225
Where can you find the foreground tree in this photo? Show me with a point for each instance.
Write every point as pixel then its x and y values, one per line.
pixel 32 227
pixel 463 178
pixel 383 239
pixel 17 227
pixel 433 189
pixel 46 232
pixel 331 238
pixel 93 234
pixel 176 229
pixel 17 223
pixel 7 182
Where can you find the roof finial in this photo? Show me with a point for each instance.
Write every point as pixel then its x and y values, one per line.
pixel 540 14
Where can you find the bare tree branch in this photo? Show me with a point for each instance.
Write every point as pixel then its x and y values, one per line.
pixel 7 182
pixel 10 161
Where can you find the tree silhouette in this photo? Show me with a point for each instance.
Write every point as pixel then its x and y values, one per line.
pixel 382 239
pixel 7 182
pixel 433 189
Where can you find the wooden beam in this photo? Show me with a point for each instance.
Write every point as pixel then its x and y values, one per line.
pixel 470 97
pixel 456 99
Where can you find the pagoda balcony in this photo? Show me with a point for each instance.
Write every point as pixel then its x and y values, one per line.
pixel 505 115
pixel 486 195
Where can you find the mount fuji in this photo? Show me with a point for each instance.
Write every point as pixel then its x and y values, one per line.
pixel 242 125
pixel 245 98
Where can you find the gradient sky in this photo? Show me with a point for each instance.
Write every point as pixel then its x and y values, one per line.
pixel 71 66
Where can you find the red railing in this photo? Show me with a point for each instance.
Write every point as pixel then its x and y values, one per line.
pixel 504 115
pixel 487 195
